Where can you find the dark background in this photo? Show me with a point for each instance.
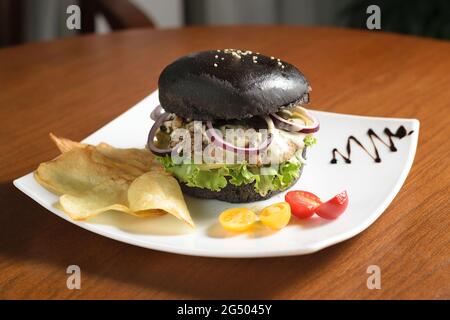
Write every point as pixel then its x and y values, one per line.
pixel 35 20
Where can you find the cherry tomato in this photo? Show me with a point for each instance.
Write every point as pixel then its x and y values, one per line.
pixel 237 219
pixel 303 203
pixel 276 216
pixel 334 207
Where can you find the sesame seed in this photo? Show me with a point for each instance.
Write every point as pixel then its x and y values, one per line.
pixel 272 58
pixel 218 50
pixel 282 67
pixel 215 65
pixel 279 63
pixel 278 60
pixel 222 58
pixel 216 56
pixel 244 53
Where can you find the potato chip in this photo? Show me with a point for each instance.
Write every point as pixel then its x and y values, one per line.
pixel 142 159
pixel 151 191
pixel 65 145
pixel 95 179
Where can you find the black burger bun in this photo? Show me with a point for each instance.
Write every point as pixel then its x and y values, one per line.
pixel 236 194
pixel 230 84
pixel 231 193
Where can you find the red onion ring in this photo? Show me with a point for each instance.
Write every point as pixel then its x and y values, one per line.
pixel 219 142
pixel 151 136
pixel 156 113
pixel 287 125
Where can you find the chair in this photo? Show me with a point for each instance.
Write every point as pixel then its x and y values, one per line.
pixel 120 14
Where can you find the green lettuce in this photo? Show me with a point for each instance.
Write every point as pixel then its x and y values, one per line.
pixel 309 141
pixel 265 179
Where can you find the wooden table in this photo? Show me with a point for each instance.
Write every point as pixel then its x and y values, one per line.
pixel 73 86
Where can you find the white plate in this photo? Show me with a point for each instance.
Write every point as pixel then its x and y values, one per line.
pixel 371 187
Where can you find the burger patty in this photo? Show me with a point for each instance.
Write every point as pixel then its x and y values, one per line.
pixel 283 147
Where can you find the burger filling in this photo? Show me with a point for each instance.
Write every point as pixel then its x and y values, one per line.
pixel 285 146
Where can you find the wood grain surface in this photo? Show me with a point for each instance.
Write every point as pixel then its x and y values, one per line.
pixel 73 86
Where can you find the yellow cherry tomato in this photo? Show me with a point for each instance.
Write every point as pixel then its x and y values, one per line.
pixel 237 219
pixel 276 216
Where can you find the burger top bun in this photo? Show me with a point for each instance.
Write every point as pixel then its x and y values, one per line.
pixel 230 84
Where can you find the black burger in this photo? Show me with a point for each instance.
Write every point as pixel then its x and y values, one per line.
pixel 231 125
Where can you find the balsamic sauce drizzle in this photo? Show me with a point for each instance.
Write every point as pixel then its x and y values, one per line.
pixel 399 134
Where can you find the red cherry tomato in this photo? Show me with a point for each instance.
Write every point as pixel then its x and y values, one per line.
pixel 303 203
pixel 334 207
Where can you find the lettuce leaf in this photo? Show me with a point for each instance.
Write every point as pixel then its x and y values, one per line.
pixel 265 179
pixel 309 140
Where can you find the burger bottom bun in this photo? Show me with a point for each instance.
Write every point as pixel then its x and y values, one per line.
pixel 236 194
pixel 231 193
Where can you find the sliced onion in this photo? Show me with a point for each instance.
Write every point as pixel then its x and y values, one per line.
pixel 288 125
pixel 156 113
pixel 218 140
pixel 151 136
